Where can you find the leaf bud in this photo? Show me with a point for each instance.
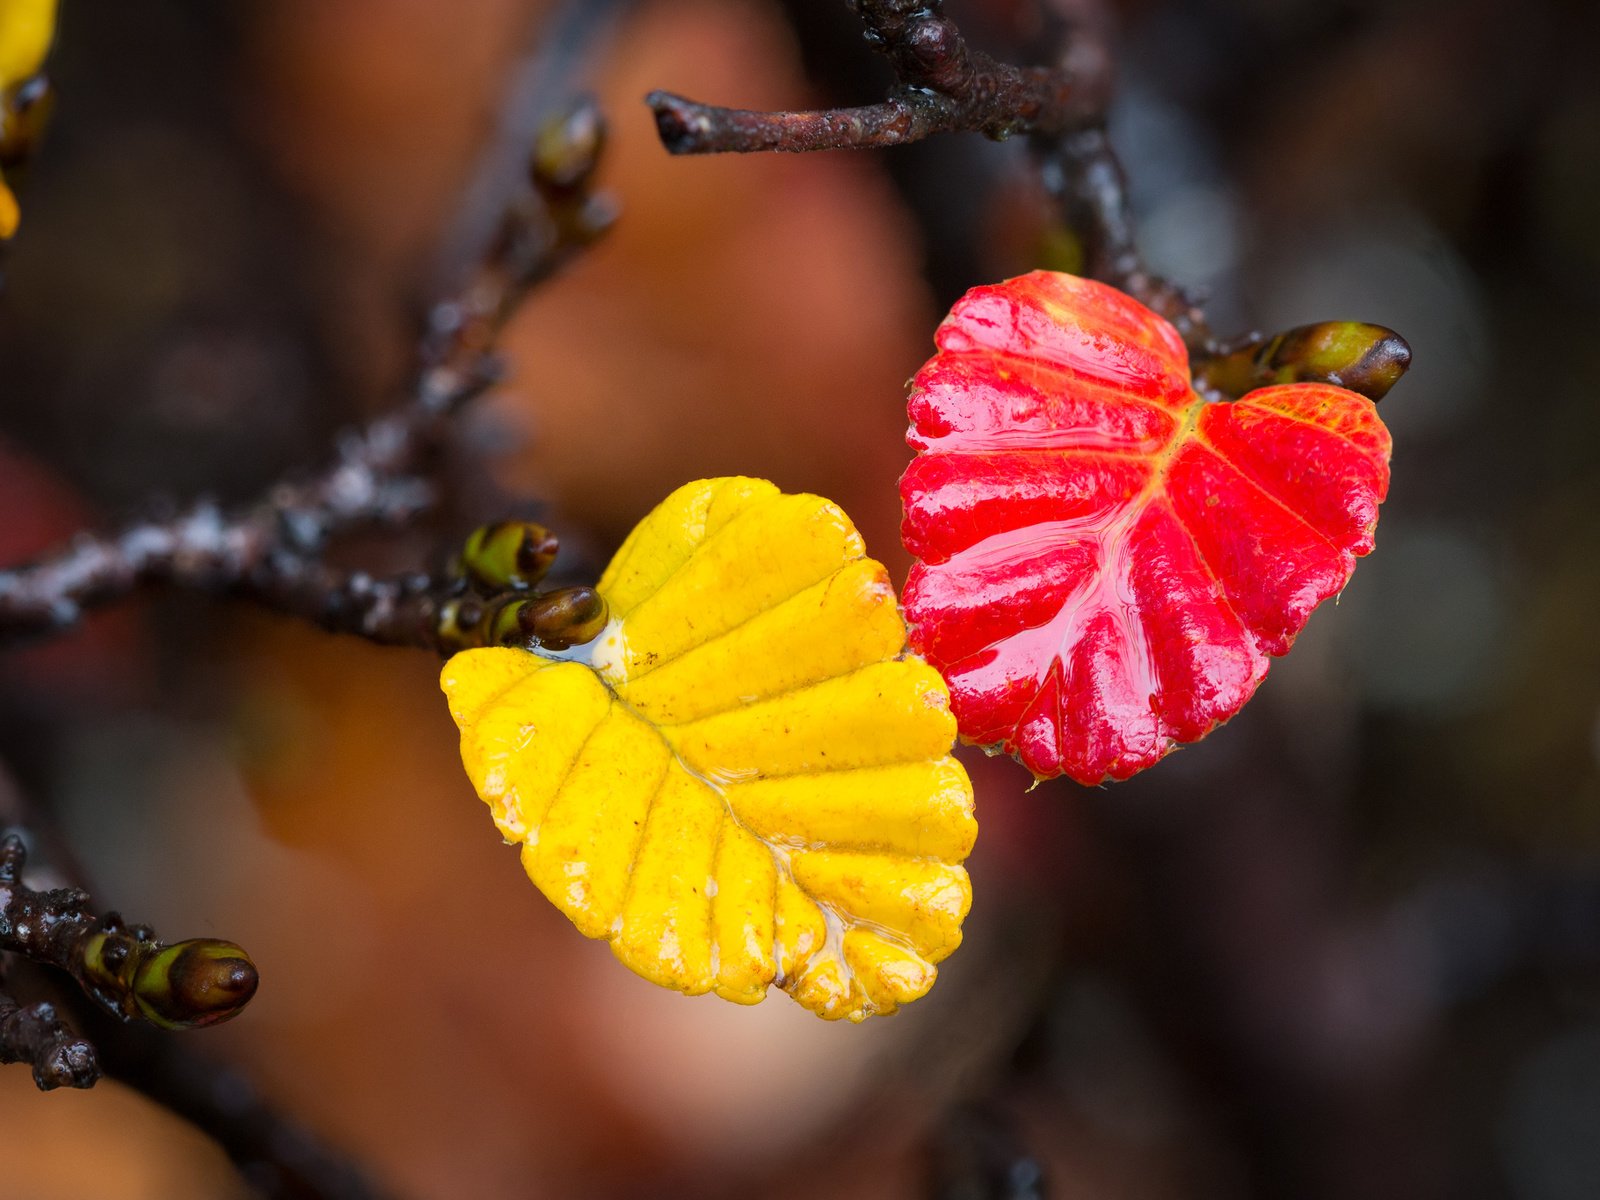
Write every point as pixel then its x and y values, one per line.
pixel 508 554
pixel 194 983
pixel 568 145
pixel 197 982
pixel 555 620
pixel 502 624
pixel 458 623
pixel 567 617
pixel 1368 359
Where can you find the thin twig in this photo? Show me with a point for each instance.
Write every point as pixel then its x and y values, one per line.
pixel 123 968
pixel 551 70
pixel 1084 177
pixel 279 1158
pixel 270 549
pixel 942 85
pixel 32 1033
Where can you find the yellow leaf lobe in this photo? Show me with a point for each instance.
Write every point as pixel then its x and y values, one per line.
pixel 745 780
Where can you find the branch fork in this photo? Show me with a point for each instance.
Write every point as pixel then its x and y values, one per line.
pixel 125 970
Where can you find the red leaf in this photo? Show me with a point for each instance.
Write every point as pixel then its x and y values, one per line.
pixel 1105 559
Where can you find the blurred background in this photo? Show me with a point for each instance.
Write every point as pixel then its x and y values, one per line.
pixel 1347 947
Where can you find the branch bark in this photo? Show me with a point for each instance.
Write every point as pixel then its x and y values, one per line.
pixel 1084 177
pixel 123 968
pixel 32 1033
pixel 271 550
pixel 944 85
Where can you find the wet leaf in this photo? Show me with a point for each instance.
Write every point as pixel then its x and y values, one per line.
pixel 26 29
pixel 744 780
pixel 1106 560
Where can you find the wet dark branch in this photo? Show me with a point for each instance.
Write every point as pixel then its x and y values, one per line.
pixel 440 613
pixel 1084 177
pixel 124 969
pixel 207 547
pixel 690 128
pixel 279 1158
pixel 559 53
pixel 377 475
pixel 402 610
pixel 942 85
pixel 210 548
pixel 33 1034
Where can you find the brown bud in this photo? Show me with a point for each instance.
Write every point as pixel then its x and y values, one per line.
pixel 198 982
pixel 508 554
pixel 555 620
pixel 1368 359
pixel 187 984
pixel 457 623
pixel 567 617
pixel 568 146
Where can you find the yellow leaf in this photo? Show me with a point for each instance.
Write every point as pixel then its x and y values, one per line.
pixel 745 780
pixel 26 30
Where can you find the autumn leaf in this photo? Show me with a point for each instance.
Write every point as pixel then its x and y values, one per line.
pixel 26 29
pixel 744 780
pixel 1106 560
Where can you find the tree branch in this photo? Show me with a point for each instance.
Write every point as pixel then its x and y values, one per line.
pixel 33 1034
pixel 549 73
pixel 442 614
pixel 1084 177
pixel 942 85
pixel 281 1159
pixel 123 968
pixel 265 550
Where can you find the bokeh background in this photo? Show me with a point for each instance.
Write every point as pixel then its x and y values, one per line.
pixel 1348 947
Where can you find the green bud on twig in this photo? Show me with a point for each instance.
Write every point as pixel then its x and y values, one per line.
pixel 182 986
pixel 194 983
pixel 555 620
pixel 458 623
pixel 566 617
pixel 568 147
pixel 565 153
pixel 508 554
pixel 1368 359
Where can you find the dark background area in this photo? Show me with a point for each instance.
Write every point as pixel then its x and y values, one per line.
pixel 1349 946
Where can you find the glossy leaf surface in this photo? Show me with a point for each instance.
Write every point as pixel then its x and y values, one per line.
pixel 26 29
pixel 1106 560
pixel 744 780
